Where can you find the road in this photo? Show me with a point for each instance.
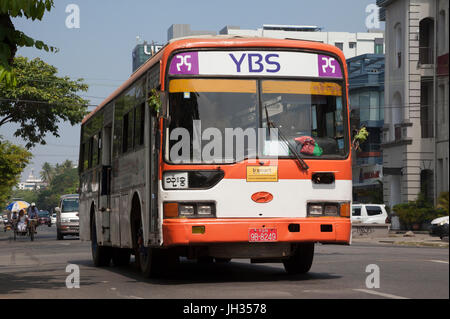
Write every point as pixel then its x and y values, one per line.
pixel 38 270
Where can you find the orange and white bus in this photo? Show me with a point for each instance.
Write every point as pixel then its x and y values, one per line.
pixel 244 154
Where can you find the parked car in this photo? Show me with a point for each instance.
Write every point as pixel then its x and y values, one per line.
pixel 439 227
pixel 369 214
pixel 67 220
pixel 53 218
pixel 44 218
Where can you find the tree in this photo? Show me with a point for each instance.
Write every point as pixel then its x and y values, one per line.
pixel 47 173
pixel 40 100
pixel 11 39
pixel 13 160
pixel 64 181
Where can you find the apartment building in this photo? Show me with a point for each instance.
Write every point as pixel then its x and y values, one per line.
pixel 415 132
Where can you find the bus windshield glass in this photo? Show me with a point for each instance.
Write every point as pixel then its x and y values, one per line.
pixel 225 120
pixel 69 205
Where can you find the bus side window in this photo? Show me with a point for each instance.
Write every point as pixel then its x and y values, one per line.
pixel 139 112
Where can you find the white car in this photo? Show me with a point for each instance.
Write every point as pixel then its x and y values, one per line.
pixel 369 214
pixel 53 218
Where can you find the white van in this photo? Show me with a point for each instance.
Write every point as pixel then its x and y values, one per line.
pixel 369 214
pixel 67 219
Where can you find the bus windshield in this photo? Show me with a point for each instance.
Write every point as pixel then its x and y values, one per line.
pixel 224 120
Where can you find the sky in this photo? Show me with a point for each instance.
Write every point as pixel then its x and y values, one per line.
pixel 100 51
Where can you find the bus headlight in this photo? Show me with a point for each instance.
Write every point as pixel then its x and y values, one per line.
pixel 315 210
pixel 324 209
pixel 186 210
pixel 189 210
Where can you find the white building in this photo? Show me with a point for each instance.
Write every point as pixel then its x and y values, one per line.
pixel 415 137
pixel 352 44
pixel 32 183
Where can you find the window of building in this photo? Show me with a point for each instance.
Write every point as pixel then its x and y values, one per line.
pixel 398 45
pixel 426 108
pixel 339 45
pixel 426 184
pixel 352 45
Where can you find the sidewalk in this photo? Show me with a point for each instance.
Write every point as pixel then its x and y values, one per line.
pixel 415 239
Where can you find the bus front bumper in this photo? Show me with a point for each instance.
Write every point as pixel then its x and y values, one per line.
pixel 332 230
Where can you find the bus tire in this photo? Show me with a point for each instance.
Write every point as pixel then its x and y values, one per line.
pixel 300 262
pixel 120 256
pixel 101 255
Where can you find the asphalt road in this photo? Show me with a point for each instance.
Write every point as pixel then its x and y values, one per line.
pixel 38 270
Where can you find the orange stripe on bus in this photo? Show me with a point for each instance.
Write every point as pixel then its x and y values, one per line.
pixel 210 85
pixel 287 169
pixel 302 87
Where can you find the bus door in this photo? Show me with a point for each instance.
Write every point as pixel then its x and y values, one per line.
pixel 105 185
pixel 155 234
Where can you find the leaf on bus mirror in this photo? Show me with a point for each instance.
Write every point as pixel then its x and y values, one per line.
pixel 360 137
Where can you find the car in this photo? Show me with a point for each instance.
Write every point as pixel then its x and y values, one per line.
pixel 53 218
pixel 44 218
pixel 67 217
pixel 369 214
pixel 439 227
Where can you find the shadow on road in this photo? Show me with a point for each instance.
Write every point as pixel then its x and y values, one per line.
pixel 26 280
pixel 191 272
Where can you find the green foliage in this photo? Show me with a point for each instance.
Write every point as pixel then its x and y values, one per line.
pixel 154 101
pixel 417 212
pixel 443 202
pixel 13 159
pixel 360 137
pixel 40 100
pixel 64 180
pixel 11 39
pixel 29 196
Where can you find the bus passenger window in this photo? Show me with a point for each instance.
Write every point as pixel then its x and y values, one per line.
pixel 139 124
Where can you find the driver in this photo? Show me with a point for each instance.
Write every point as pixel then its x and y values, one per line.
pixel 33 213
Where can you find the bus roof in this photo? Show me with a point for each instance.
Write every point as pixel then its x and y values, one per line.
pixel 215 41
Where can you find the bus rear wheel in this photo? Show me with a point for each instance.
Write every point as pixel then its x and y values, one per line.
pixel 300 262
pixel 101 255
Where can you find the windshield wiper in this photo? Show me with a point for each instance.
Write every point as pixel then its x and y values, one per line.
pixel 300 162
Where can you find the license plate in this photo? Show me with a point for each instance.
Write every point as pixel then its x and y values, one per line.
pixel 262 234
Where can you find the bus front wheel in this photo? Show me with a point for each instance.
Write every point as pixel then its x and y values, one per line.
pixel 300 262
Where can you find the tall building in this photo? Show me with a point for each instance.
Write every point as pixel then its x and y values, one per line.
pixel 184 30
pixel 415 133
pixel 143 52
pixel 366 100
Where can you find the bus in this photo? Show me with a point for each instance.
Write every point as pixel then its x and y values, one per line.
pixel 220 148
